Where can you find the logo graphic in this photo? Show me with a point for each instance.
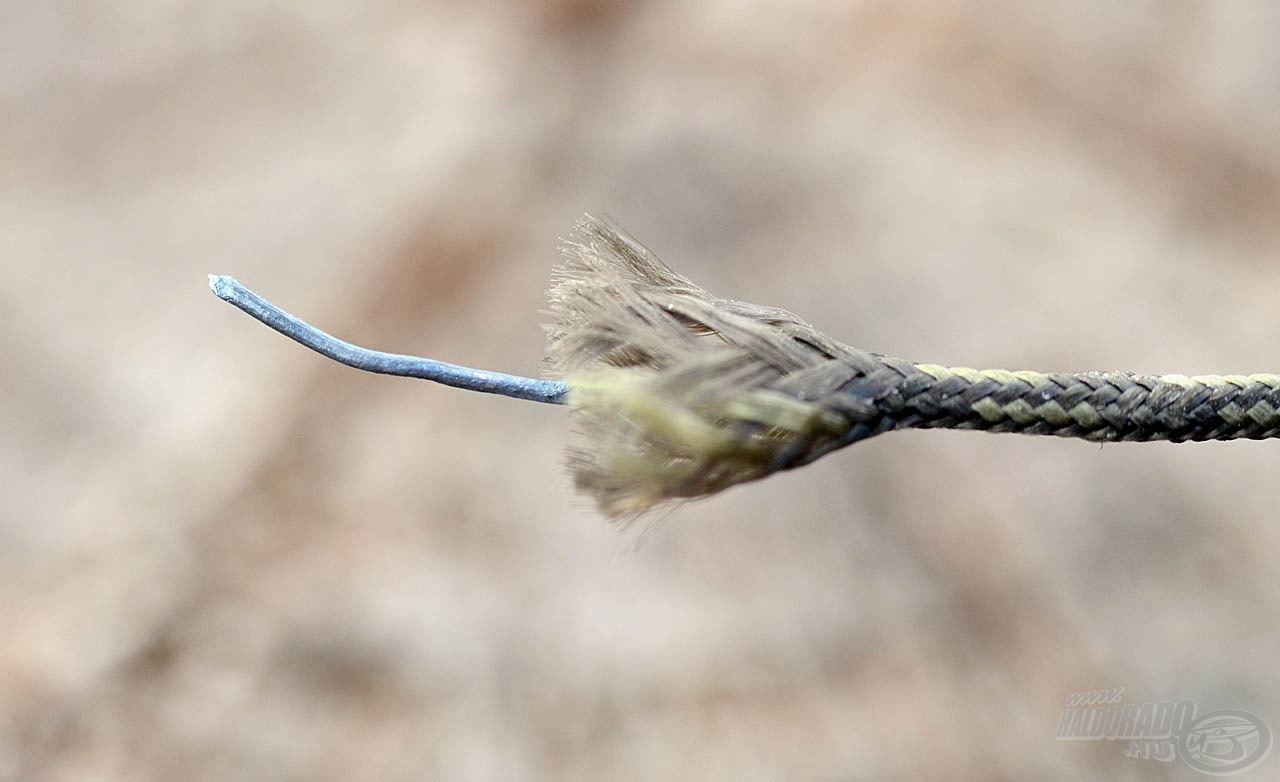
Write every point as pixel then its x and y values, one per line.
pixel 1219 743
pixel 1226 741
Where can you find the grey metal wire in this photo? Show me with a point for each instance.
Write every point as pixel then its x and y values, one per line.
pixel 533 389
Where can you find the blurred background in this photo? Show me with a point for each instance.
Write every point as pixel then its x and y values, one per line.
pixel 223 557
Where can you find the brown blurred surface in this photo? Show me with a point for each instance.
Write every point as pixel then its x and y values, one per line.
pixel 222 557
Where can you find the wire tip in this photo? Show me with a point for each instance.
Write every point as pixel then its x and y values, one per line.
pixel 220 284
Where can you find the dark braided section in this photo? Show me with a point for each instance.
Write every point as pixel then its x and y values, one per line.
pixel 1100 406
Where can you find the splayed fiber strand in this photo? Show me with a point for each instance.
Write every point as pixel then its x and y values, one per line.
pixel 678 394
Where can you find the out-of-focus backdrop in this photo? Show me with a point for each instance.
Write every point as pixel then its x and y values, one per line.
pixel 223 557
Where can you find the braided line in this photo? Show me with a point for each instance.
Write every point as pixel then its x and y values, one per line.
pixel 1098 406
pixel 678 393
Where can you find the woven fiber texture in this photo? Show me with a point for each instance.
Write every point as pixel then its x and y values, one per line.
pixel 678 393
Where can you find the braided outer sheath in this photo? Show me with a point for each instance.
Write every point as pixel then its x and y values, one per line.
pixel 1099 406
pixel 677 393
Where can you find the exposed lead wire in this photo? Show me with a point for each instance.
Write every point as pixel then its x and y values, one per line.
pixel 533 389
